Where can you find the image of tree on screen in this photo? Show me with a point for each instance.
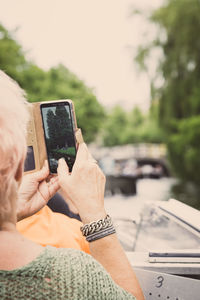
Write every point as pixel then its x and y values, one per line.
pixel 60 140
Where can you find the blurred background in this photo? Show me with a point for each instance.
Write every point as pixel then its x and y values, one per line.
pixel 132 68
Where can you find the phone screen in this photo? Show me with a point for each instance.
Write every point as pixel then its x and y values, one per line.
pixel 59 133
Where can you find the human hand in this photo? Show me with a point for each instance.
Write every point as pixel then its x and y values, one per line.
pixel 34 192
pixel 84 186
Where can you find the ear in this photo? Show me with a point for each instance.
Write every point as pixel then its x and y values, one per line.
pixel 19 172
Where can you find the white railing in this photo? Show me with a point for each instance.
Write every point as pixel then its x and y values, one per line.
pixel 156 151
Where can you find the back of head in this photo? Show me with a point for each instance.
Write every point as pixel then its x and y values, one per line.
pixel 13 122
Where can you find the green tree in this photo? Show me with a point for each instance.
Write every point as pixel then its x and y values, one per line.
pixel 90 113
pixel 56 83
pixel 64 127
pixel 12 59
pixel 115 127
pixel 136 121
pixel 144 128
pixel 132 127
pixel 51 129
pixel 34 81
pixel 179 97
pixel 60 83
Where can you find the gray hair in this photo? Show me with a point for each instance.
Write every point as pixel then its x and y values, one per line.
pixel 13 123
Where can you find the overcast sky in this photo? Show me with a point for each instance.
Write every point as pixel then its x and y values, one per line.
pixel 95 39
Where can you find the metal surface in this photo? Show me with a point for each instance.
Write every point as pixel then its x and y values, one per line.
pixel 140 260
pixel 157 285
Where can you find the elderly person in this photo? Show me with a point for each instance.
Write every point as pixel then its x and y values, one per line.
pixel 30 271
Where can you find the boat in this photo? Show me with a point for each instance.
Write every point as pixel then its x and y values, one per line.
pixel 121 184
pixel 171 268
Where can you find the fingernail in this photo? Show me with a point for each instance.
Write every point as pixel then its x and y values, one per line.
pixel 61 159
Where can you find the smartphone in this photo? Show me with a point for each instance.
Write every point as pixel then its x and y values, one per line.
pixel 59 124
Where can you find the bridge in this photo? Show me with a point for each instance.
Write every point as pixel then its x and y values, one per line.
pixel 137 151
pixel 144 154
pixel 124 165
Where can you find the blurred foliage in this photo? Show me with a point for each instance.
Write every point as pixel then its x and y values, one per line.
pixel 184 148
pixel 117 127
pixel 187 193
pixel 12 58
pixel 178 22
pixel 56 83
pixel 131 127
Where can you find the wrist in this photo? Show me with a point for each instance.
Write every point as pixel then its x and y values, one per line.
pixel 99 229
pixel 89 217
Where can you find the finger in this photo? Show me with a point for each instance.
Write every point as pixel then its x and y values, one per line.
pixel 79 137
pixel 92 160
pixel 43 173
pixel 44 191
pixel 103 183
pixel 62 169
pixel 90 157
pixel 82 154
pixel 53 188
pixel 54 179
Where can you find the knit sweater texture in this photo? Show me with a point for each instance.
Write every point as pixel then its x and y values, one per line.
pixel 61 274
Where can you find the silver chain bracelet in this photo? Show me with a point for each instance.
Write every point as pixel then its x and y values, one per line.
pixel 96 226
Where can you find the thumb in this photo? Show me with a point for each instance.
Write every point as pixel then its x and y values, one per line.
pixel 62 169
pixel 43 173
pixel 82 153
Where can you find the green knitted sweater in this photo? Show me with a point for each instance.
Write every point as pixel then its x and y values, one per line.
pixel 60 274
